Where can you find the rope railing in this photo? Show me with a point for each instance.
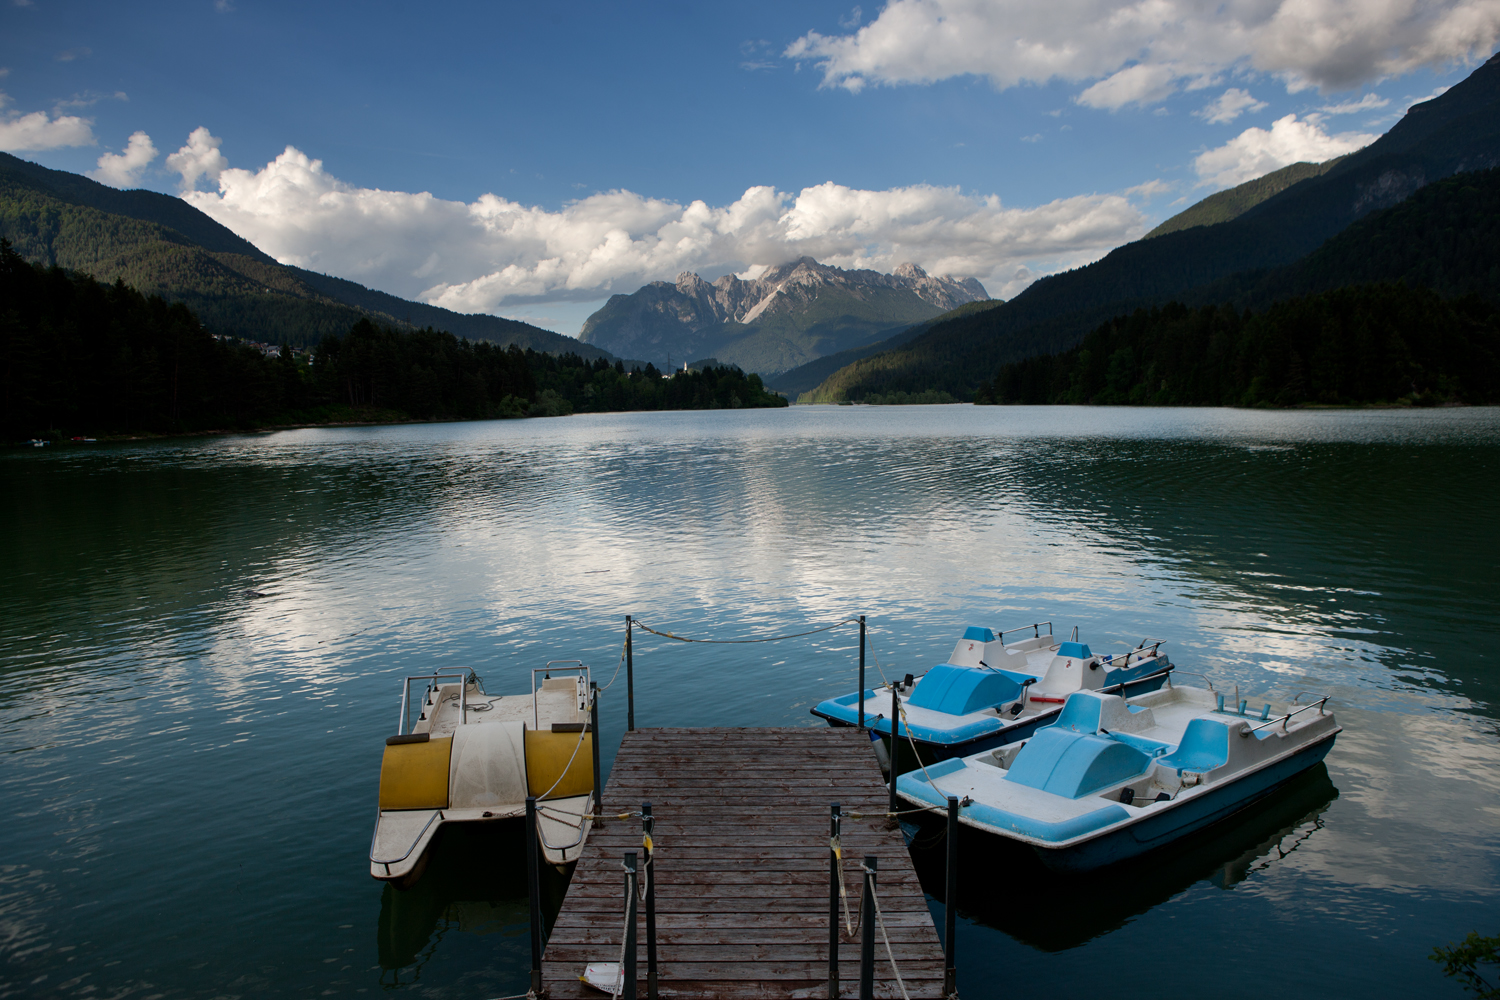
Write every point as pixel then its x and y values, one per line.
pixel 880 922
pixel 637 623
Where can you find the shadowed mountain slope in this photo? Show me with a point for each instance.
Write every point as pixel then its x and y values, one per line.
pixel 1459 131
pixel 163 246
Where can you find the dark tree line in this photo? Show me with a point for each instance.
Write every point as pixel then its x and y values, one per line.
pixel 81 357
pixel 1363 344
pixel 423 374
pixel 597 386
pixel 78 356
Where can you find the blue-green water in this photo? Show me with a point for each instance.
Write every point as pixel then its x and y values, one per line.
pixel 189 770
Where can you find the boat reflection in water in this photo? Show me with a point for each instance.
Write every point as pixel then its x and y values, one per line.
pixel 1063 911
pixel 473 884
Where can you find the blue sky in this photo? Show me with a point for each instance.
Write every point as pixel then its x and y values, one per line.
pixel 530 160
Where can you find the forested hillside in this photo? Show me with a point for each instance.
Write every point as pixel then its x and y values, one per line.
pixel 1223 206
pixel 79 357
pixel 1356 345
pixel 161 245
pixel 1457 132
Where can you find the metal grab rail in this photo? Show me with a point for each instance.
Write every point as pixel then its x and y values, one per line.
pixel 583 672
pixel 1190 673
pixel 1154 644
pixel 436 815
pixel 463 685
pixel 1035 627
pixel 1287 717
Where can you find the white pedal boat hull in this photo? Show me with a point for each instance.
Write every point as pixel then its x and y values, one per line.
pixel 1085 798
pixel 475 758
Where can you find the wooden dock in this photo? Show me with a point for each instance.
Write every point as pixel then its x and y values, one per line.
pixel 741 868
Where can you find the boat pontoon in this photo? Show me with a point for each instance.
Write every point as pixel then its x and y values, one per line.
pixel 992 692
pixel 1113 777
pixel 475 757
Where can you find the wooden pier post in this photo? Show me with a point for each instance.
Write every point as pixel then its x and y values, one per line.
pixel 833 904
pixel 950 903
pixel 631 877
pixel 534 889
pixel 648 823
pixel 861 671
pixel 895 741
pixel 867 933
pixel 598 808
pixel 629 676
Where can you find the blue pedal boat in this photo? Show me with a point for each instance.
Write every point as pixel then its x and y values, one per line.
pixel 992 692
pixel 1113 778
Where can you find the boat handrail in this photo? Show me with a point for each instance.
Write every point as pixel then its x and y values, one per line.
pixel 463 683
pixel 436 814
pixel 1120 686
pixel 1190 673
pixel 1154 644
pixel 1288 716
pixel 1036 630
pixel 581 667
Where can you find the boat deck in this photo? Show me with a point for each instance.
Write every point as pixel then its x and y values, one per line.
pixel 741 868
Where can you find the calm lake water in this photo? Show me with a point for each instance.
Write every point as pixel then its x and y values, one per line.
pixel 201 643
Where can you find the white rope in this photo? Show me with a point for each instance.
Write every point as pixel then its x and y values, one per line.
pixel 880 920
pixel 619 987
pixel 901 707
pixel 870 639
pixel 565 770
pixel 836 845
pixel 618 665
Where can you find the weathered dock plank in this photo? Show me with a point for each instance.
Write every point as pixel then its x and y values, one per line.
pixel 741 868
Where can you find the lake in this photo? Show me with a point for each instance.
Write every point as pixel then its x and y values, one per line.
pixel 202 642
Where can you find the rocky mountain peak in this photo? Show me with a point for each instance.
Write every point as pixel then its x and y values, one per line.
pixel 682 316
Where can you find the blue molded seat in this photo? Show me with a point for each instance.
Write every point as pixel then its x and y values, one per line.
pixel 1075 764
pixel 1077 650
pixel 1080 713
pixel 975 633
pixel 955 690
pixel 1204 746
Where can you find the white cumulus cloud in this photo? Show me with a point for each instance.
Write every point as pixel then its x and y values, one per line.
pixel 123 169
pixel 38 130
pixel 474 257
pixel 1139 51
pixel 1228 106
pixel 1256 151
pixel 1370 102
pixel 199 157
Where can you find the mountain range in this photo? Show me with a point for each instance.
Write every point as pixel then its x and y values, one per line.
pixel 162 245
pixel 1454 133
pixel 786 316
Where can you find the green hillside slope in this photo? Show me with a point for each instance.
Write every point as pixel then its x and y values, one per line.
pixel 1235 202
pixel 1446 238
pixel 1457 132
pixel 1357 345
pixel 1399 307
pixel 800 383
pixel 161 245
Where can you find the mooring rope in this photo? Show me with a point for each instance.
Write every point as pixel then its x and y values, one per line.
pixel 637 623
pixel 876 656
pixel 596 817
pixel 836 845
pixel 880 921
pixel 620 663
pixel 578 746
pixel 624 939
